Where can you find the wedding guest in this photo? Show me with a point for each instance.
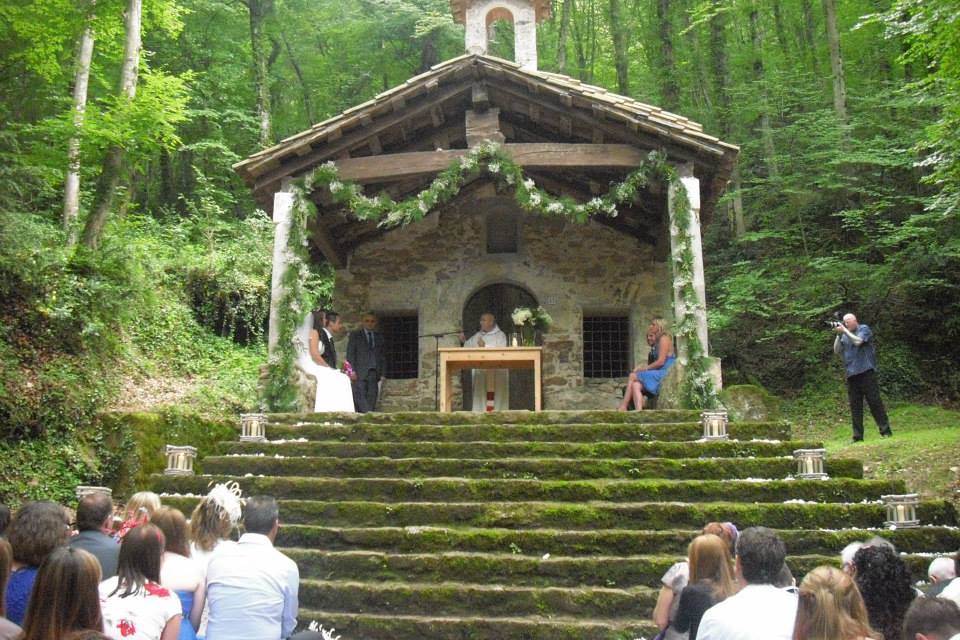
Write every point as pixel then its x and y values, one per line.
pixel 830 608
pixel 178 572
pixel 35 532
pixel 711 581
pixel 135 606
pixel 366 353
pixel 138 510
pixel 4 518
pixel 648 377
pixel 846 556
pixel 887 589
pixel 932 619
pixel 941 573
pixel 64 596
pixel 676 578
pixel 760 611
pixel 211 524
pixel 252 589
pixel 8 630
pixel 94 522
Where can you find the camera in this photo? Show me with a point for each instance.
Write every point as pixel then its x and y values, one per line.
pixel 836 322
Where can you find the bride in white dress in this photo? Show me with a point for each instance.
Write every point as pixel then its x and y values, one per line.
pixel 334 392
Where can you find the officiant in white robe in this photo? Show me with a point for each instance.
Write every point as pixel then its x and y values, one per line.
pixel 489 384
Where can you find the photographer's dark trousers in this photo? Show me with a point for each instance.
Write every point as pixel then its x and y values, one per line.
pixel 365 391
pixel 864 385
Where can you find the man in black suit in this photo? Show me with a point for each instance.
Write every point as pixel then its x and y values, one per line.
pixel 365 353
pixel 94 517
pixel 328 326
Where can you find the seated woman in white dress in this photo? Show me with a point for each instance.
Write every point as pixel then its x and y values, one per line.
pixel 317 357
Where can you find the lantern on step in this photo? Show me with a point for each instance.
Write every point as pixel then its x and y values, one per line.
pixel 83 490
pixel 901 510
pixel 253 427
pixel 180 460
pixel 810 464
pixel 714 425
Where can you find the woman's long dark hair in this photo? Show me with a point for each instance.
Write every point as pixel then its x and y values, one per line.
pixel 141 553
pixel 6 559
pixel 64 596
pixel 886 586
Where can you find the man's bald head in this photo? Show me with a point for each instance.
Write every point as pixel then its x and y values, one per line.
pixel 850 322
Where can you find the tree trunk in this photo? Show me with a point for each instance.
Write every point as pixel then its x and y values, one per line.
pixel 579 47
pixel 668 72
pixel 304 88
pixel 71 189
pixel 780 28
pixel 564 35
pixel 259 10
pixel 836 60
pixel 721 79
pixel 113 162
pixel 618 31
pixel 759 76
pixel 809 39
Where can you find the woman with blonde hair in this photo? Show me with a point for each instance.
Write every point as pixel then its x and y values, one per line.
pixel 831 608
pixel 138 510
pixel 711 581
pixel 646 378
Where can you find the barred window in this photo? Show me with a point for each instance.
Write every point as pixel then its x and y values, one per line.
pixel 401 345
pixel 606 346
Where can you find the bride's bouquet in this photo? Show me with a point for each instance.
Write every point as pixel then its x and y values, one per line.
pixel 347 368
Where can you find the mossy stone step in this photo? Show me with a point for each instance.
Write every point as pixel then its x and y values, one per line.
pixel 563 542
pixel 588 515
pixel 519 570
pixel 520 449
pixel 457 598
pixel 529 468
pixel 499 417
pixel 485 490
pixel 373 626
pixel 534 432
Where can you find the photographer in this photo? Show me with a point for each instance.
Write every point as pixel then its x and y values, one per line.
pixel 855 342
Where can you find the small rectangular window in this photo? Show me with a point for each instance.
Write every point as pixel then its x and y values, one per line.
pixel 502 232
pixel 401 345
pixel 606 346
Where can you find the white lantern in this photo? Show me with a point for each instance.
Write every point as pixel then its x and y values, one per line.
pixel 901 510
pixel 810 463
pixel 253 427
pixel 180 460
pixel 714 425
pixel 84 490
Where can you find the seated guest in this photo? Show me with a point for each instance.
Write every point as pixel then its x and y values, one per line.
pixel 846 556
pixel 366 353
pixel 252 589
pixel 941 572
pixel 94 521
pixel 135 606
pixel 211 524
pixel 647 378
pixel 887 589
pixel 932 619
pixel 64 597
pixel 677 577
pixel 138 510
pixel 4 518
pixel 711 581
pixel 760 611
pixel 8 630
pixel 178 572
pixel 35 532
pixel 952 590
pixel 831 608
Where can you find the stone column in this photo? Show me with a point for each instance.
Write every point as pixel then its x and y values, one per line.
pixel 692 186
pixel 282 214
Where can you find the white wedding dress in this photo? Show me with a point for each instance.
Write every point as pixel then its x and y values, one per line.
pixel 334 392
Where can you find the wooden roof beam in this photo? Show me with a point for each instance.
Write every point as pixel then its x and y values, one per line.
pixel 327 244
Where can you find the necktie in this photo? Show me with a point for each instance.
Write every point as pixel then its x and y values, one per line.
pixel 369 339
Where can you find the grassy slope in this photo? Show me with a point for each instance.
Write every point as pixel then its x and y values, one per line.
pixel 923 451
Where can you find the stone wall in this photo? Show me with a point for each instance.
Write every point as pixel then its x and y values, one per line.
pixel 433 267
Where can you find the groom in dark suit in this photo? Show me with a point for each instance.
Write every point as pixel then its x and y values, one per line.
pixel 366 355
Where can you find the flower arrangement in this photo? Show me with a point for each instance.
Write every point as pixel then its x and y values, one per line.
pixel 347 368
pixel 537 318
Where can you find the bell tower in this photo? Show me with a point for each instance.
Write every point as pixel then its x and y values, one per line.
pixel 478 15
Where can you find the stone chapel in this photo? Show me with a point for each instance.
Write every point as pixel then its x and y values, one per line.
pixel 601 281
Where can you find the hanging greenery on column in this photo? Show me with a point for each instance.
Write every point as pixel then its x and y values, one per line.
pixel 488 159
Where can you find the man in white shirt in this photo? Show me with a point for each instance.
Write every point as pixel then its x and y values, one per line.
pixel 932 619
pixel 760 611
pixel 252 588
pixel 491 387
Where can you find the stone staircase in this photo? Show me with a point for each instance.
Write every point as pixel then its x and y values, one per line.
pixel 518 525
